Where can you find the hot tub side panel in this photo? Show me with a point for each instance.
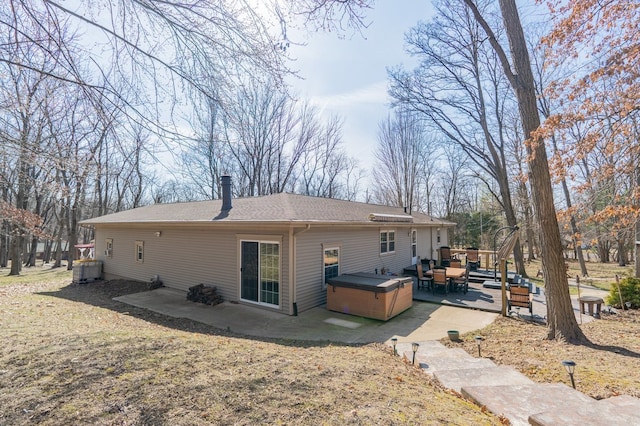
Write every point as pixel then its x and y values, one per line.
pixel 370 304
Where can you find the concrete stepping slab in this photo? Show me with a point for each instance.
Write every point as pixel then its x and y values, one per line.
pixel 444 352
pixel 518 402
pixel 487 376
pixel 623 401
pixel 620 410
pixel 426 346
pixel 454 359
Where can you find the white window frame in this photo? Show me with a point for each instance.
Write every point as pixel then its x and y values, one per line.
pixel 326 248
pixel 414 243
pixel 387 250
pixel 139 251
pixel 108 252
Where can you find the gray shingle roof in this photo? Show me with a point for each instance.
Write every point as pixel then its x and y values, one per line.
pixel 269 208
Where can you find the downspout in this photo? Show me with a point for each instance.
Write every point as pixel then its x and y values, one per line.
pixel 293 293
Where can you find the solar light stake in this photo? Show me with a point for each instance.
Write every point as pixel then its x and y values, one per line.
pixel 394 342
pixel 478 342
pixel 570 366
pixel 414 348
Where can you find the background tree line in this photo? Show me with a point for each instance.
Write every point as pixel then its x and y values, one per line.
pixel 163 110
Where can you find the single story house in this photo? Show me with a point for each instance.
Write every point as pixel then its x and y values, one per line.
pixel 273 251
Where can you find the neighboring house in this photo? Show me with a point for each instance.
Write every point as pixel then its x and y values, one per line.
pixel 273 251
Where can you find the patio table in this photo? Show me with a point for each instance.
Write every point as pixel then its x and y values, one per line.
pixel 450 272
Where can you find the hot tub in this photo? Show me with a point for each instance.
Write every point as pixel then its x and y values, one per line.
pixel 368 295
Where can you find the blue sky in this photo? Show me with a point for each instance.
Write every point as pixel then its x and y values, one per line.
pixel 347 76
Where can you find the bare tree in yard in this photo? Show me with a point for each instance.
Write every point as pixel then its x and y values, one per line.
pixel 24 97
pixel 75 151
pixel 205 157
pixel 561 320
pixel 523 195
pixel 461 90
pixel 267 135
pixel 544 73
pixel 173 45
pixel 404 150
pixel 328 171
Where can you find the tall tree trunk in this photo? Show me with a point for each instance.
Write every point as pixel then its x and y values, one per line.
pixel 561 320
pixel 16 251
pixel 33 251
pixel 637 230
pixel 4 244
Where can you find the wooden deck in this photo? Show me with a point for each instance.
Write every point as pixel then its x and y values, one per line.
pixel 478 297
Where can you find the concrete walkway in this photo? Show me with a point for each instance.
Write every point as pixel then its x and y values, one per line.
pixel 506 392
pixel 423 321
pixel 501 389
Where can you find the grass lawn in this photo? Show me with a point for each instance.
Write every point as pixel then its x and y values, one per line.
pixel 72 355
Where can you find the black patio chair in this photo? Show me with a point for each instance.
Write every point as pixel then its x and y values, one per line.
pixel 422 279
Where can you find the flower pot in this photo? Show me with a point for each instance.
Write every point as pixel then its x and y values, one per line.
pixel 454 335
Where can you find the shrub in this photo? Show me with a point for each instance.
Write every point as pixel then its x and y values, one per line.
pixel 630 289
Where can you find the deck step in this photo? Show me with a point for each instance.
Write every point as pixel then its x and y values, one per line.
pixel 518 402
pixel 486 376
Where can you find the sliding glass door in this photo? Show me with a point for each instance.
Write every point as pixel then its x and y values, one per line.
pixel 260 272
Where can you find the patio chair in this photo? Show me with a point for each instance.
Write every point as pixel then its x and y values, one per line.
pixel 422 279
pixel 463 281
pixel 473 258
pixel 519 296
pixel 455 263
pixel 445 255
pixel 440 279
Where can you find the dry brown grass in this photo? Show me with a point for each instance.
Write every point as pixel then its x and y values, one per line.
pixel 607 365
pixel 72 355
pixel 601 275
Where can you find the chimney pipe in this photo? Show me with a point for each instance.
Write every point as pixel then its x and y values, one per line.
pixel 226 192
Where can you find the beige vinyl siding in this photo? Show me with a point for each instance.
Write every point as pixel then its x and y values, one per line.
pixel 186 256
pixel 359 252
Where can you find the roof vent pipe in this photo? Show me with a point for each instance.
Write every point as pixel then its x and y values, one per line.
pixel 226 192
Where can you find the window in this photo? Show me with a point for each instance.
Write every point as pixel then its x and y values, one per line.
pixel 387 242
pixel 331 261
pixel 108 252
pixel 438 235
pixel 139 251
pixel 414 243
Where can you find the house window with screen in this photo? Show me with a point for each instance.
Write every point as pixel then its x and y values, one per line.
pixel 109 247
pixel 331 268
pixel 139 251
pixel 387 242
pixel 414 243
